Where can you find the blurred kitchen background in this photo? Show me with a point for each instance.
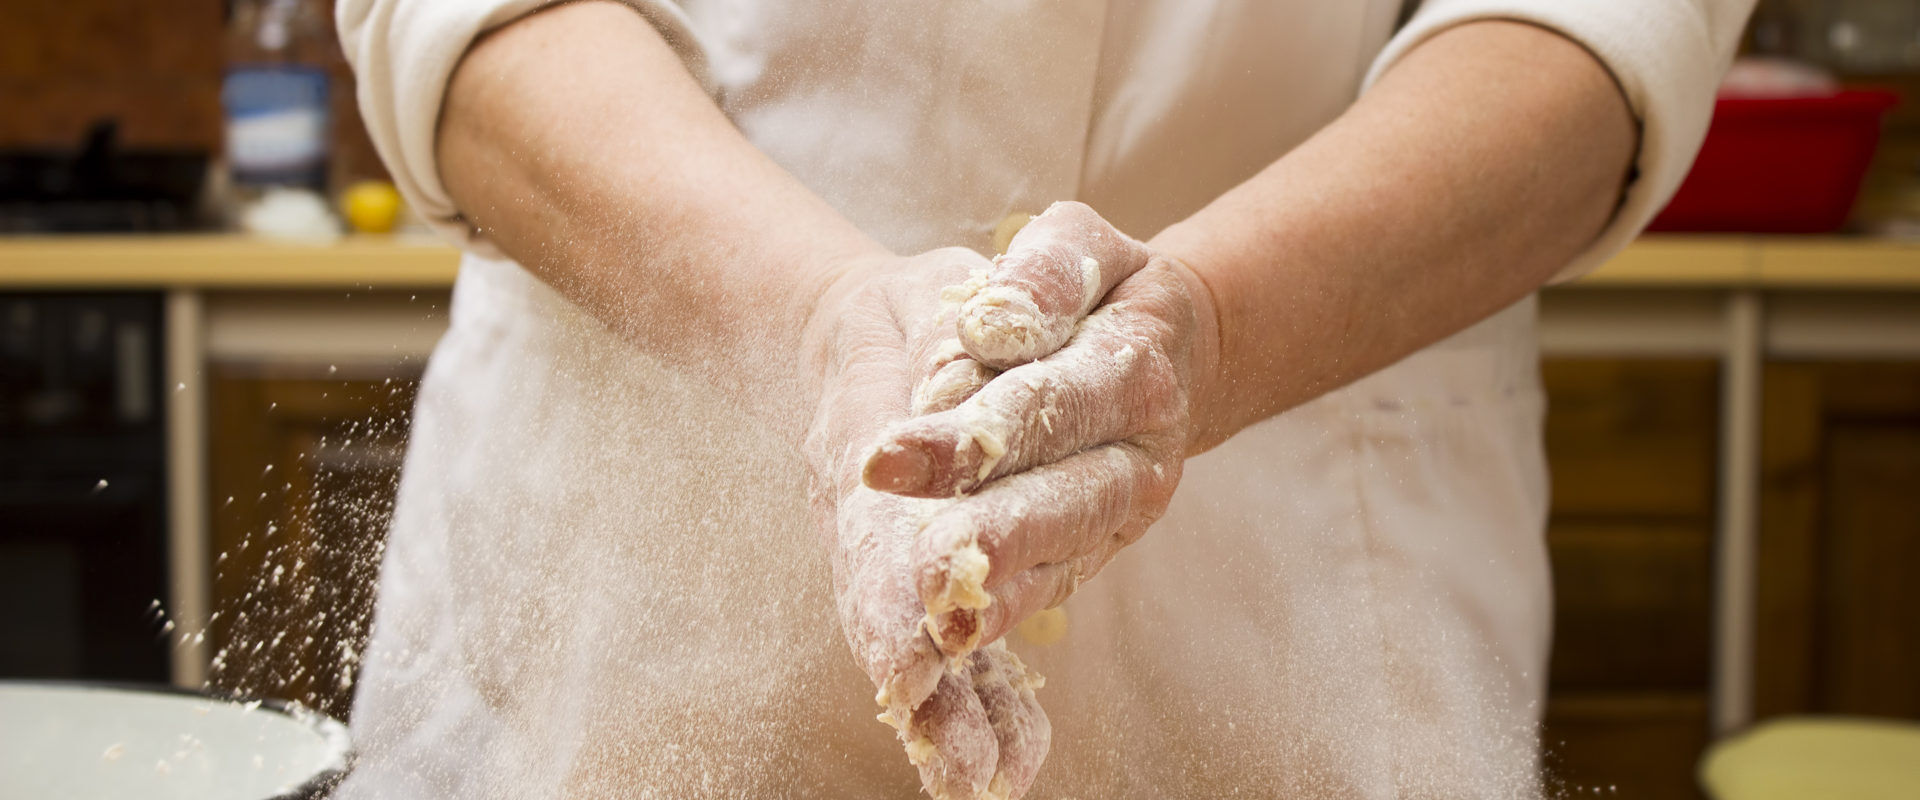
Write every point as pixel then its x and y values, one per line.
pixel 213 312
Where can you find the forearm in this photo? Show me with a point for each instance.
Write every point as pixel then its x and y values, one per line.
pixel 576 141
pixel 1471 172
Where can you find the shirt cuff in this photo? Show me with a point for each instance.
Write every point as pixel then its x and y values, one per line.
pixel 1667 56
pixel 403 52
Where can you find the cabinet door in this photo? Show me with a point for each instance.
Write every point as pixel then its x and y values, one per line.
pixel 1839 614
pixel 1631 445
pixel 1632 448
pixel 303 472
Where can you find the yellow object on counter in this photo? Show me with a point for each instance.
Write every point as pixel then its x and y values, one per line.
pixel 1833 758
pixel 1009 225
pixel 371 206
pixel 1044 628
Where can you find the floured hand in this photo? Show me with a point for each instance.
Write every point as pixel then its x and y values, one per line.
pixel 970 723
pixel 1072 452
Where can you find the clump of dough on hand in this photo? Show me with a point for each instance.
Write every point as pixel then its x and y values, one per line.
pixel 953 610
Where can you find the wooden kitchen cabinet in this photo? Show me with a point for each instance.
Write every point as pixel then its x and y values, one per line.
pixel 303 471
pixel 1840 541
pixel 1631 445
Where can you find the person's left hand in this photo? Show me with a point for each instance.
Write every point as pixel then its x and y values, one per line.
pixel 1075 449
pixel 971 724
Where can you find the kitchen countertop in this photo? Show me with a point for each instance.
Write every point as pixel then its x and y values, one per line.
pixel 233 262
pixel 215 261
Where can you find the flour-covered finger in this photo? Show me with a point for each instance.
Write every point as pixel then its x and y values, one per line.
pixel 1115 380
pixel 951 377
pixel 1078 512
pixel 879 608
pixel 945 373
pixel 1009 603
pixel 860 394
pixel 867 534
pixel 950 739
pixel 1055 271
pixel 1006 689
pixel 946 376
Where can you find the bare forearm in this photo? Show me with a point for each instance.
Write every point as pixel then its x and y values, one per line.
pixel 575 140
pixel 1460 182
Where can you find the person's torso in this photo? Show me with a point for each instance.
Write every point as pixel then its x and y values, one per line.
pixel 1348 599
pixel 927 123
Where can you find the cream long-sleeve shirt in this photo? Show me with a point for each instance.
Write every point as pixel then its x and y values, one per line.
pixel 1132 88
pixel 596 585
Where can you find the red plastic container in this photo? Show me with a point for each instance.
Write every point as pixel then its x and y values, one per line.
pixel 1780 165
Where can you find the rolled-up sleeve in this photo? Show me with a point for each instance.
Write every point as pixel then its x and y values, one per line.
pixel 404 51
pixel 1668 57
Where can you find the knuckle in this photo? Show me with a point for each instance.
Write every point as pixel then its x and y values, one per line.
pixel 1152 481
pixel 1048 265
pixel 817 452
pixel 959 257
pixel 1067 581
pixel 1072 214
pixel 942 351
pixel 949 386
pixel 1131 532
pixel 1159 390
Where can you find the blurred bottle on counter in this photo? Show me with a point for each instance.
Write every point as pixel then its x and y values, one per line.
pixel 278 129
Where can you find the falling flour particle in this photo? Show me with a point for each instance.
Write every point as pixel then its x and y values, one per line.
pixel 114 752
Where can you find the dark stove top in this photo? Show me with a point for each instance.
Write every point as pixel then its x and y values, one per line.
pixel 100 187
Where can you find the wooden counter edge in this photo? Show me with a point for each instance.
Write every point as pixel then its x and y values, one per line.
pixel 225 262
pixel 228 262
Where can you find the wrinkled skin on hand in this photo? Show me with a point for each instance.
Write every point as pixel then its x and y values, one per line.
pixel 1069 454
pixel 970 723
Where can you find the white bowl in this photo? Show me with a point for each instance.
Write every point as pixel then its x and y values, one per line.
pixel 99 741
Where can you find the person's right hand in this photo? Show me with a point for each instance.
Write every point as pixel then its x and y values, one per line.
pixel 878 337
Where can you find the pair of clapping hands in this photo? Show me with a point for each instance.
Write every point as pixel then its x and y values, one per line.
pixel 989 435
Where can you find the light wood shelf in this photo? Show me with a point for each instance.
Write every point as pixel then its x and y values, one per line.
pixel 224 262
pixel 237 262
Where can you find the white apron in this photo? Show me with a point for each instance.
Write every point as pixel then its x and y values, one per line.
pixel 602 582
